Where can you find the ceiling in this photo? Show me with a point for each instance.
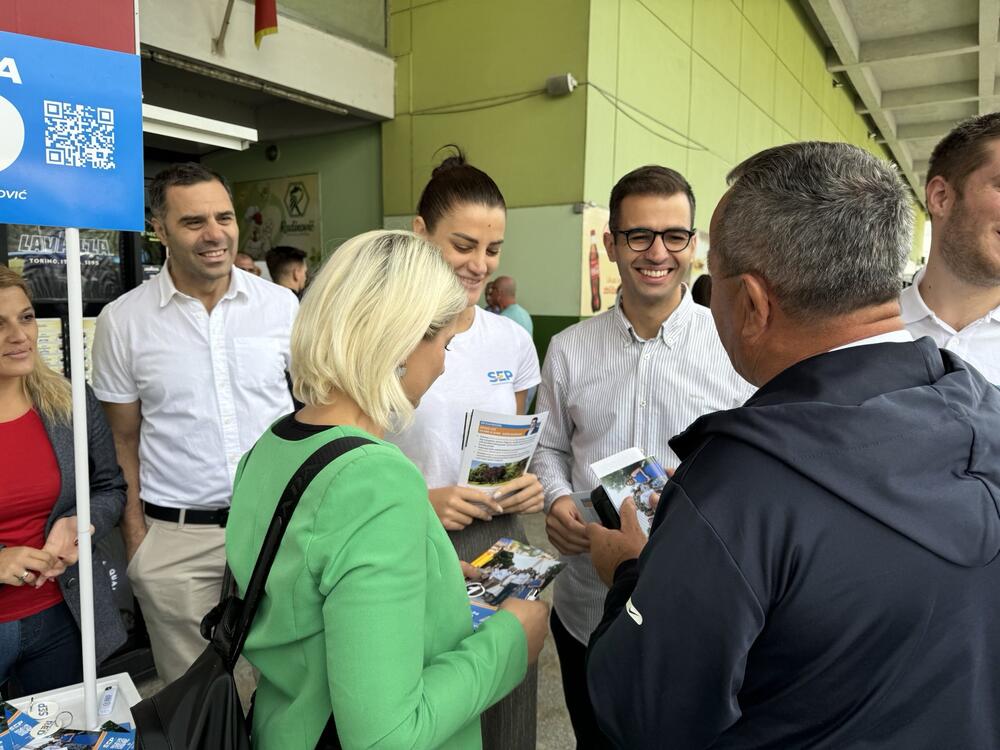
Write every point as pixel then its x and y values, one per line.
pixel 918 67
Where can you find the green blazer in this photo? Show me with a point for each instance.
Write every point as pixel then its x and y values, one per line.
pixel 365 612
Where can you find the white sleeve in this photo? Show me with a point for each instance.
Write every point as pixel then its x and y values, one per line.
pixel 553 457
pixel 527 373
pixel 112 372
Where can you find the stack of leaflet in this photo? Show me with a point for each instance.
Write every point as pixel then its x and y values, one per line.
pixel 50 343
pixel 511 569
pixel 496 448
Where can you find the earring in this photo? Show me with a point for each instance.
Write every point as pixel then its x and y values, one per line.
pixel 401 370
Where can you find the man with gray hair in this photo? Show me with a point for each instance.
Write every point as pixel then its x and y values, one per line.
pixel 822 569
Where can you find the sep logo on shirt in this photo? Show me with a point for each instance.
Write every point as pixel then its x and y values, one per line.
pixel 499 377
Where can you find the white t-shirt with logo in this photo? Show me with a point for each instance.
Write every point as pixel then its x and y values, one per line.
pixel 484 367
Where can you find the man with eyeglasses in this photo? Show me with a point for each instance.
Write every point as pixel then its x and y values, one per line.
pixel 633 376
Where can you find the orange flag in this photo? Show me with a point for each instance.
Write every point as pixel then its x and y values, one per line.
pixel 265 19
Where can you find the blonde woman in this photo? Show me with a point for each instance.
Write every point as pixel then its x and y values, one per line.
pixel 365 618
pixel 39 596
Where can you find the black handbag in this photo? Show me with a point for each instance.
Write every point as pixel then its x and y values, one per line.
pixel 201 709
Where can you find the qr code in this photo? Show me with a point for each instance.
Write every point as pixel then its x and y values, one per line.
pixel 77 135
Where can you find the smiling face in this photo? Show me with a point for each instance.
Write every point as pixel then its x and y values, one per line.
pixel 970 224
pixel 199 228
pixel 18 334
pixel 470 237
pixel 651 279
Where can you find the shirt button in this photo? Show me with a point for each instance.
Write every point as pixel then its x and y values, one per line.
pixel 642 404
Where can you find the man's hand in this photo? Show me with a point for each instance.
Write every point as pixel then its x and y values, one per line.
pixel 521 495
pixel 17 564
pixel 457 506
pixel 609 549
pixel 565 528
pixel 133 535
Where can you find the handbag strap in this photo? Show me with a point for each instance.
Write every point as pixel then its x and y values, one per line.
pixel 289 500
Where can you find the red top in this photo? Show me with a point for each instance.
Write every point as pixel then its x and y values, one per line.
pixel 29 489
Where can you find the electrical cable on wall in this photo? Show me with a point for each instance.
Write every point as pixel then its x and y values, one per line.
pixel 620 106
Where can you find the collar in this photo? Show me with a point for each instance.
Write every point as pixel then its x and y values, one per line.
pixel 892 337
pixel 165 283
pixel 914 309
pixel 670 329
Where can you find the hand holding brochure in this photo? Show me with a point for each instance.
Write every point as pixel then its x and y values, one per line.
pixel 510 569
pixel 631 474
pixel 496 448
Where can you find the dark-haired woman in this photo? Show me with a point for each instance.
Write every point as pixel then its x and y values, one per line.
pixel 39 596
pixel 490 365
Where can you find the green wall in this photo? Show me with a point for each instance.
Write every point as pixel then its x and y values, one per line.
pixel 699 85
pixel 348 164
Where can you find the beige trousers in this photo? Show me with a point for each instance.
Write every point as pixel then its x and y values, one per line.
pixel 176 575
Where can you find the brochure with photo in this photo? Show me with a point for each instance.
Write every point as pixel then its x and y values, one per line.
pixel 510 569
pixel 631 474
pixel 497 448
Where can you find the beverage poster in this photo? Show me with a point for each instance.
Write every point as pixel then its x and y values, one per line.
pixel 599 278
pixel 280 211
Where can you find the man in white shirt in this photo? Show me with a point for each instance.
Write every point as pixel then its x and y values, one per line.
pixel 635 375
pixel 191 368
pixel 956 299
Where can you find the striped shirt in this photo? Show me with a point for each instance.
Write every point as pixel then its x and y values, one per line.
pixel 606 390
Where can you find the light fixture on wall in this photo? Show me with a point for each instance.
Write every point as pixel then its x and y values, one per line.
pixel 560 85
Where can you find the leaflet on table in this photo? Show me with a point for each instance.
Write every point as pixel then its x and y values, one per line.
pixel 631 474
pixel 496 448
pixel 21 731
pixel 510 569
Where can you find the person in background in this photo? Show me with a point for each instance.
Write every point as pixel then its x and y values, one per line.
pixel 247 263
pixel 491 304
pixel 824 566
pixel 288 268
pixel 956 299
pixel 191 370
pixel 39 592
pixel 366 588
pixel 701 290
pixel 490 365
pixel 633 376
pixel 505 296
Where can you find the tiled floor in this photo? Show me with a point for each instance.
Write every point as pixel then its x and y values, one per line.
pixel 554 730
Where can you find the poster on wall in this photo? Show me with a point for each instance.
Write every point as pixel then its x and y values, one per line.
pixel 599 278
pixel 39 255
pixel 280 211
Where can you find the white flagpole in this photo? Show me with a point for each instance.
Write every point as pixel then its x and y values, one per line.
pixel 74 295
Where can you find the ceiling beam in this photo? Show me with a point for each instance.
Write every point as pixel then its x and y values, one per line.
pixel 918 96
pixel 989 14
pixel 915 130
pixel 960 40
pixel 836 22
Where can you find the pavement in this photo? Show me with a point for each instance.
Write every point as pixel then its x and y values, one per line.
pixel 554 729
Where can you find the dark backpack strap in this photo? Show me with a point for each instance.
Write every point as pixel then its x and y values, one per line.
pixel 279 524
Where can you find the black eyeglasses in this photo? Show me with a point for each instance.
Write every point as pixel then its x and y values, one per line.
pixel 640 239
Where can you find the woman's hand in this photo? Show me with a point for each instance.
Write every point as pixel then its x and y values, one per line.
pixel 521 495
pixel 61 543
pixel 458 506
pixel 17 564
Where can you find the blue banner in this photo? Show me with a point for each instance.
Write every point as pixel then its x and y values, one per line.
pixel 70 135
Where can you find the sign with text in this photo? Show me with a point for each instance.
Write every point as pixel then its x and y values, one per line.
pixel 70 135
pixel 279 211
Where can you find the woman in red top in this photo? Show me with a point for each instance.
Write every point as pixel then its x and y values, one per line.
pixel 39 600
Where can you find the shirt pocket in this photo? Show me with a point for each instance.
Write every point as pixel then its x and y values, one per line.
pixel 259 362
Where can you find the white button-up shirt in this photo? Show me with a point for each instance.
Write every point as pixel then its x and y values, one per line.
pixel 978 343
pixel 210 384
pixel 606 390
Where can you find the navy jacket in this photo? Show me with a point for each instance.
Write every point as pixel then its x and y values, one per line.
pixel 822 569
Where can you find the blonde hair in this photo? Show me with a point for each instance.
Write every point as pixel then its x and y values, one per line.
pixel 373 302
pixel 48 391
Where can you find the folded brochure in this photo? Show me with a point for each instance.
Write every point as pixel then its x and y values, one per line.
pixel 496 448
pixel 510 569
pixel 631 474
